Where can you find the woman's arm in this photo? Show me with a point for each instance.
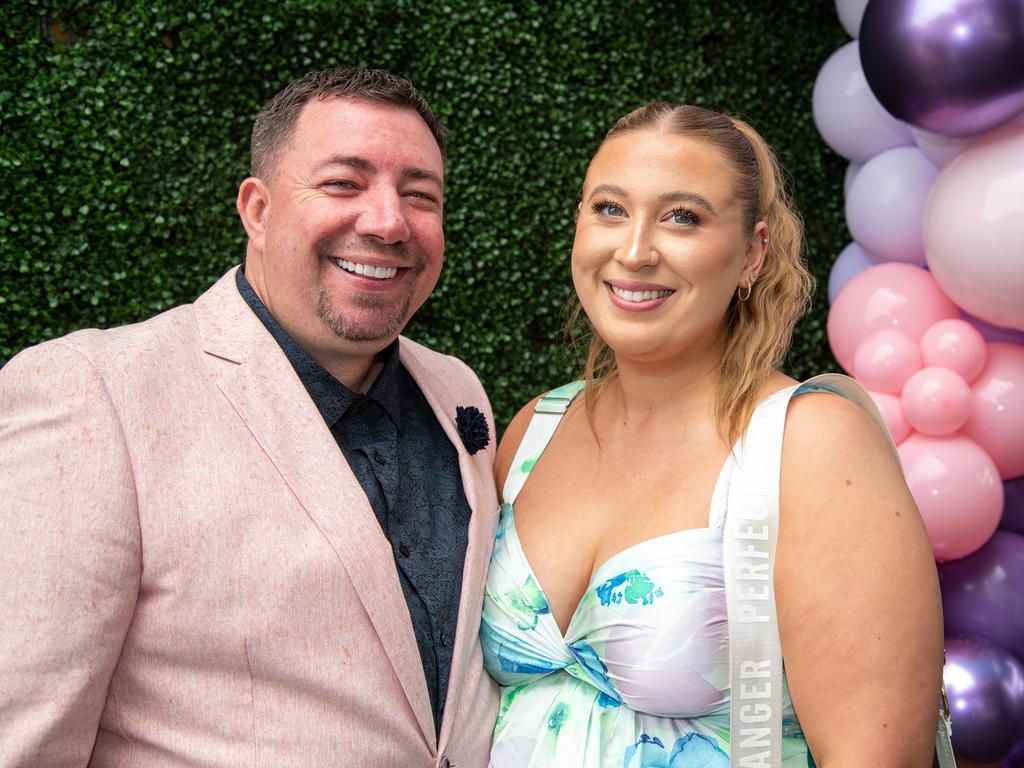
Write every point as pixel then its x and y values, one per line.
pixel 860 617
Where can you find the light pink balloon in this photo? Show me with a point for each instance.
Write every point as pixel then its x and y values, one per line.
pixel 972 228
pixel 957 345
pixel 886 202
pixel 936 401
pixel 892 412
pixel 885 360
pixel 997 408
pixel 957 488
pixel 848 116
pixel 896 296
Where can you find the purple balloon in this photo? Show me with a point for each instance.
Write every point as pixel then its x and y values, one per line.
pixel 983 594
pixel 1013 506
pixel 985 685
pixel 954 67
pixel 994 332
pixel 1016 757
pixel 852 260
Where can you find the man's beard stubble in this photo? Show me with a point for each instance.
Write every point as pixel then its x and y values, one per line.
pixel 386 321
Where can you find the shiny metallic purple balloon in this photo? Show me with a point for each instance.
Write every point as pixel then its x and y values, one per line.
pixel 954 67
pixel 985 685
pixel 983 594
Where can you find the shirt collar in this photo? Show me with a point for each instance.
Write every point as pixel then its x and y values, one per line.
pixel 331 397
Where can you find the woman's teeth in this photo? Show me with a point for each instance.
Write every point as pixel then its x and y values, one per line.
pixel 639 295
pixel 380 273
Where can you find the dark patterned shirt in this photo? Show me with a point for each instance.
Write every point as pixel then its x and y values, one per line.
pixel 409 471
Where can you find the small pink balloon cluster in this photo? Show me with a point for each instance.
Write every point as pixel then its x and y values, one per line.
pixel 953 402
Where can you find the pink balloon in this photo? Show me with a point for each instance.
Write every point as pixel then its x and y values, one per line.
pixel 899 297
pixel 886 202
pixel 936 401
pixel 892 412
pixel 957 345
pixel 885 360
pixel 972 224
pixel 957 488
pixel 997 408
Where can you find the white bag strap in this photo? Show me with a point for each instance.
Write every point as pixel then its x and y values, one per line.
pixel 749 539
pixel 547 414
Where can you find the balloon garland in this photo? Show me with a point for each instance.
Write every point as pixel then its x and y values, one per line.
pixel 927 309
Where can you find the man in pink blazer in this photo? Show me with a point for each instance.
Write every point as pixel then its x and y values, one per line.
pixel 253 530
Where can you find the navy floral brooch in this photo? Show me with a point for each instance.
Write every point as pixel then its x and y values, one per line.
pixel 472 425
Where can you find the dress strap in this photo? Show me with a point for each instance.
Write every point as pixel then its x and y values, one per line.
pixel 749 540
pixel 547 414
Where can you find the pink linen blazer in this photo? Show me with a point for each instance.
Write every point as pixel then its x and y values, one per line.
pixel 190 573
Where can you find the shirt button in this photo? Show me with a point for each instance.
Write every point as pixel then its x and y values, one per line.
pixel 444 639
pixel 379 457
pixel 403 550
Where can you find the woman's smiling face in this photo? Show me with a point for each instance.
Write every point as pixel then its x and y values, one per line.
pixel 661 244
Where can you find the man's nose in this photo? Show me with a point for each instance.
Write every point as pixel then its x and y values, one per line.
pixel 637 250
pixel 384 217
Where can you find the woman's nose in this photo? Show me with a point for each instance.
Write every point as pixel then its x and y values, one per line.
pixel 637 249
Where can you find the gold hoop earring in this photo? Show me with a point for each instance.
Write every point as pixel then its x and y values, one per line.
pixel 742 294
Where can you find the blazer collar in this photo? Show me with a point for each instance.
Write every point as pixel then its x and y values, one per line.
pixel 266 393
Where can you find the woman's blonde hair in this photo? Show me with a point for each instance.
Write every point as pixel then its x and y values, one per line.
pixel 758 331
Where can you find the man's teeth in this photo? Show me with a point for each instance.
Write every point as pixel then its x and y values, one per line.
pixel 639 295
pixel 381 273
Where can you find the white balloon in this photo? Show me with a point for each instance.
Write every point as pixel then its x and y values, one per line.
pixel 850 14
pixel 848 116
pixel 886 203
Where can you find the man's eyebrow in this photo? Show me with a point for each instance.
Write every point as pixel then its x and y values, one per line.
pixel 352 161
pixel 423 174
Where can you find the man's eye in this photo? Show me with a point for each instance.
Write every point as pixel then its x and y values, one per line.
pixel 341 184
pixel 423 196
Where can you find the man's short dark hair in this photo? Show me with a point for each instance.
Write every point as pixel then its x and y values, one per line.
pixel 276 121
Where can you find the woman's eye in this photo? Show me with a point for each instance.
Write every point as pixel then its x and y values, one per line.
pixel 683 218
pixel 605 208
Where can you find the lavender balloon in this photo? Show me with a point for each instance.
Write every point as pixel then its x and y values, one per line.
pixel 954 67
pixel 983 594
pixel 985 685
pixel 852 260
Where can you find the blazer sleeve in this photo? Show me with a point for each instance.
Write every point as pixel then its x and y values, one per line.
pixel 71 559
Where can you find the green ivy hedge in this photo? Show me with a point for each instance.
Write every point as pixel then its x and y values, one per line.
pixel 124 133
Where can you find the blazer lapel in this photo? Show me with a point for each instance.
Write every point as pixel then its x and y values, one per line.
pixel 478 482
pixel 268 396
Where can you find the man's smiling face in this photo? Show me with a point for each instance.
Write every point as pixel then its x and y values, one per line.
pixel 352 240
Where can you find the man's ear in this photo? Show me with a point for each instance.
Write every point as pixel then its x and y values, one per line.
pixel 253 204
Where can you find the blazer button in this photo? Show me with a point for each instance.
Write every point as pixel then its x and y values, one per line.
pixel 444 762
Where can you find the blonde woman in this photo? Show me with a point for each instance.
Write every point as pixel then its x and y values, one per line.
pixel 616 588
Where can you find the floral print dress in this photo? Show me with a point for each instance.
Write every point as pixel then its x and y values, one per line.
pixel 641 677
